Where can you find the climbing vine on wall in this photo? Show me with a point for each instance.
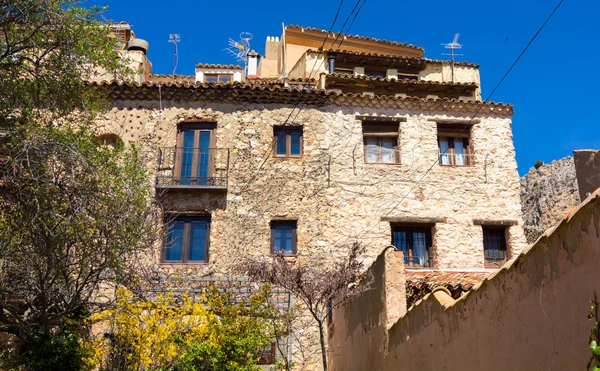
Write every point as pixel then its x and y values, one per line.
pixel 594 363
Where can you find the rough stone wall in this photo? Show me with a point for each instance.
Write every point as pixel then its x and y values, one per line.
pixel 442 72
pixel 547 193
pixel 335 197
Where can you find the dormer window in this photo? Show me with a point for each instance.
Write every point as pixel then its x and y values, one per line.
pixel 218 77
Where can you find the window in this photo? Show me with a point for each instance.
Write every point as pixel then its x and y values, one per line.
pixel 494 245
pixel 288 141
pixel 381 142
pixel 344 70
pixel 283 237
pixel 267 355
pixel 218 77
pixel 454 144
pixel 415 243
pixel 187 240
pixel 195 155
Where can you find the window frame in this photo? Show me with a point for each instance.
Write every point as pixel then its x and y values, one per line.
pixel 379 131
pixel 500 231
pixel 230 75
pixel 186 243
pixel 268 356
pixel 408 228
pixel 287 131
pixel 294 224
pixel 453 133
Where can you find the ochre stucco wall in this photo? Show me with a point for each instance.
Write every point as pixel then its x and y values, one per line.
pixel 532 315
pixel 365 319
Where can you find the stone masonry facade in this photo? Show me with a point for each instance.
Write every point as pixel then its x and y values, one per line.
pixel 333 194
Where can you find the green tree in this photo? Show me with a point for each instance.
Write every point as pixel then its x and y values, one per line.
pixel 49 49
pixel 74 215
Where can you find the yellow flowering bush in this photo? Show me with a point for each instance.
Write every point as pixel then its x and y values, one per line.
pixel 180 333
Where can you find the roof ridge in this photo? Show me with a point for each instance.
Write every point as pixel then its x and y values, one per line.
pixel 383 41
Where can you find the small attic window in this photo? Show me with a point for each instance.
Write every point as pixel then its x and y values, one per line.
pixel 218 77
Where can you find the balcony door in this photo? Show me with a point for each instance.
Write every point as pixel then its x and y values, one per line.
pixel 194 157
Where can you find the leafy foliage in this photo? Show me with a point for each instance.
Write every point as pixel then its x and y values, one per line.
pixel 48 50
pixel 74 216
pixel 594 363
pixel 62 351
pixel 538 164
pixel 184 333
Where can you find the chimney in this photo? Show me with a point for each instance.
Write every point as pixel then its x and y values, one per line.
pixel 331 60
pixel 252 64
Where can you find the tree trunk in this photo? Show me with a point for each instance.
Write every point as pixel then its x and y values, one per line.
pixel 322 338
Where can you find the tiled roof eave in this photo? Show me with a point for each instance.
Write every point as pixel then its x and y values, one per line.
pixel 244 92
pixel 338 76
pixel 455 280
pixel 210 66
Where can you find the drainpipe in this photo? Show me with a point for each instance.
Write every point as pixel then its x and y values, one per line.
pixel 331 60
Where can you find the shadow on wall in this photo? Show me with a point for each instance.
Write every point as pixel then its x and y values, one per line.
pixel 530 315
pixel 587 168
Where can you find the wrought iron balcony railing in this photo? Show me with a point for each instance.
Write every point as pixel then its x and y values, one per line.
pixel 180 167
pixel 418 261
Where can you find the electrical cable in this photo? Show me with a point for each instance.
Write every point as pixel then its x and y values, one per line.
pixel 474 115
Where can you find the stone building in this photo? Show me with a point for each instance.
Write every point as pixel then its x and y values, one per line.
pixel 325 141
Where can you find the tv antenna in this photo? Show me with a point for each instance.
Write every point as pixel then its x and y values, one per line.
pixel 452 46
pixel 174 38
pixel 239 49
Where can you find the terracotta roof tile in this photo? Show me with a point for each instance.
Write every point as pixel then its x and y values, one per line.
pixel 219 66
pixel 271 81
pixel 358 37
pixel 165 78
pixel 452 279
pixel 345 76
pixel 246 92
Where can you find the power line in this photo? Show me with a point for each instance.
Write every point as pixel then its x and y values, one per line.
pixel 474 115
pixel 270 149
pixel 344 25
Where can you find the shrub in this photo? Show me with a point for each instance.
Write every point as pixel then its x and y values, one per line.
pixel 538 164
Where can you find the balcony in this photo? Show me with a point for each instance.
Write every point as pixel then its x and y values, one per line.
pixel 192 168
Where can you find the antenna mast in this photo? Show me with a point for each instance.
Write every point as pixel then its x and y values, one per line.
pixel 239 49
pixel 174 38
pixel 453 45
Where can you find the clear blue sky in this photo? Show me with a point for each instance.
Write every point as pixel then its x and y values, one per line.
pixel 553 88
